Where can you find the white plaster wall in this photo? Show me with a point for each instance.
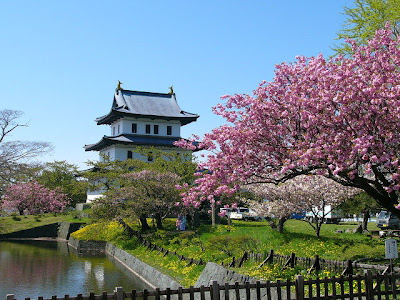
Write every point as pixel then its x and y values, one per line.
pixel 126 126
pixel 109 151
pixel 91 196
pixel 120 152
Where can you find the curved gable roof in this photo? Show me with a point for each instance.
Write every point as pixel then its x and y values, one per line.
pixel 145 104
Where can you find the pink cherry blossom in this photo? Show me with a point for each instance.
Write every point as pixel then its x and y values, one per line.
pixel 33 198
pixel 337 117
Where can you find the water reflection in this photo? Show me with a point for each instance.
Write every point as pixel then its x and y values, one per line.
pixel 47 268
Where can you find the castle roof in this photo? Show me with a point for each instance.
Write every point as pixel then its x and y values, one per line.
pixel 132 139
pixel 146 104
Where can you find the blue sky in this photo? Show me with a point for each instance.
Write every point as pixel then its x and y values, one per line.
pixel 61 60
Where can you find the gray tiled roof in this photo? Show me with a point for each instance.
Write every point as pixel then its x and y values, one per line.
pixel 132 139
pixel 145 104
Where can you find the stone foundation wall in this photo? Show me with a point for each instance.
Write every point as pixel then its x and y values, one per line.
pixel 216 272
pixel 48 231
pixel 87 246
pixel 148 274
pixel 65 229
pixel 56 230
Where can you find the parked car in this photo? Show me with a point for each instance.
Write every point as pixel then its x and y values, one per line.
pixel 241 213
pixel 251 215
pixel 386 220
pixel 298 215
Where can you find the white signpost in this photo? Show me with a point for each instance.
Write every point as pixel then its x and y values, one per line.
pixel 391 249
pixel 391 252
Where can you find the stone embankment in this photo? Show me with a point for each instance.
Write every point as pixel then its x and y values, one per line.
pixel 150 275
pixel 60 230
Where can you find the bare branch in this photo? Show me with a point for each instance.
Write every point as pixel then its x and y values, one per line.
pixel 8 122
pixel 16 156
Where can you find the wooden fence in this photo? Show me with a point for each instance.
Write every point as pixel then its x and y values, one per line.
pixel 312 264
pixel 369 286
pixel 347 267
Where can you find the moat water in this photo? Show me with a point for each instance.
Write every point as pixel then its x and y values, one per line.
pixel 29 269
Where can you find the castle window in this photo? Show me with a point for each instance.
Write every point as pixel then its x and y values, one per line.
pixel 169 130
pixel 118 129
pixel 150 156
pixel 113 130
pixel 134 128
pixel 148 128
pixel 129 154
pixel 155 129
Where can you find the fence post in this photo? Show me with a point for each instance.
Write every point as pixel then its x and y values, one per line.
pixel 243 259
pixel 269 258
pixel 215 290
pixel 10 297
pixel 316 266
pixel 119 293
pixel 299 287
pixel 292 260
pixel 369 285
pixel 349 268
pixel 232 264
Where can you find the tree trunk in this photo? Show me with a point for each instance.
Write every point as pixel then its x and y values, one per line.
pixel 143 222
pixel 281 222
pixel 318 225
pixel 366 216
pixel 214 215
pixel 271 222
pixel 158 218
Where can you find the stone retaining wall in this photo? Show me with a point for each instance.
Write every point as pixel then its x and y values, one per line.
pixel 66 228
pixel 216 272
pixel 87 246
pixel 50 231
pixel 150 275
pixel 55 230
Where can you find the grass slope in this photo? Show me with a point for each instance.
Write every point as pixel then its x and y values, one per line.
pixel 219 244
pixel 17 223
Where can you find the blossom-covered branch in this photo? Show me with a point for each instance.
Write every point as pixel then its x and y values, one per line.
pixel 337 117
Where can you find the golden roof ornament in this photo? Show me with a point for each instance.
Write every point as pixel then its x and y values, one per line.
pixel 171 90
pixel 119 85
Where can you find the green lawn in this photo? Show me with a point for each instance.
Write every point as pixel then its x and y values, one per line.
pixel 17 223
pixel 219 244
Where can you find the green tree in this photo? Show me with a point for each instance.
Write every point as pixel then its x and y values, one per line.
pixel 106 174
pixel 62 175
pixel 177 163
pixel 363 204
pixel 364 18
pixel 141 194
pixel 111 178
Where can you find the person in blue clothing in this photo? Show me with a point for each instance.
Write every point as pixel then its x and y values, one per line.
pixel 178 223
pixel 183 223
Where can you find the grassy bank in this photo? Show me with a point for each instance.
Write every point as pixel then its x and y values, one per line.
pixel 221 243
pixel 17 223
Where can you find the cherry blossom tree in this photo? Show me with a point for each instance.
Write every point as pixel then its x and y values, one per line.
pixel 337 117
pixel 141 194
pixel 312 193
pixel 277 204
pixel 33 198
